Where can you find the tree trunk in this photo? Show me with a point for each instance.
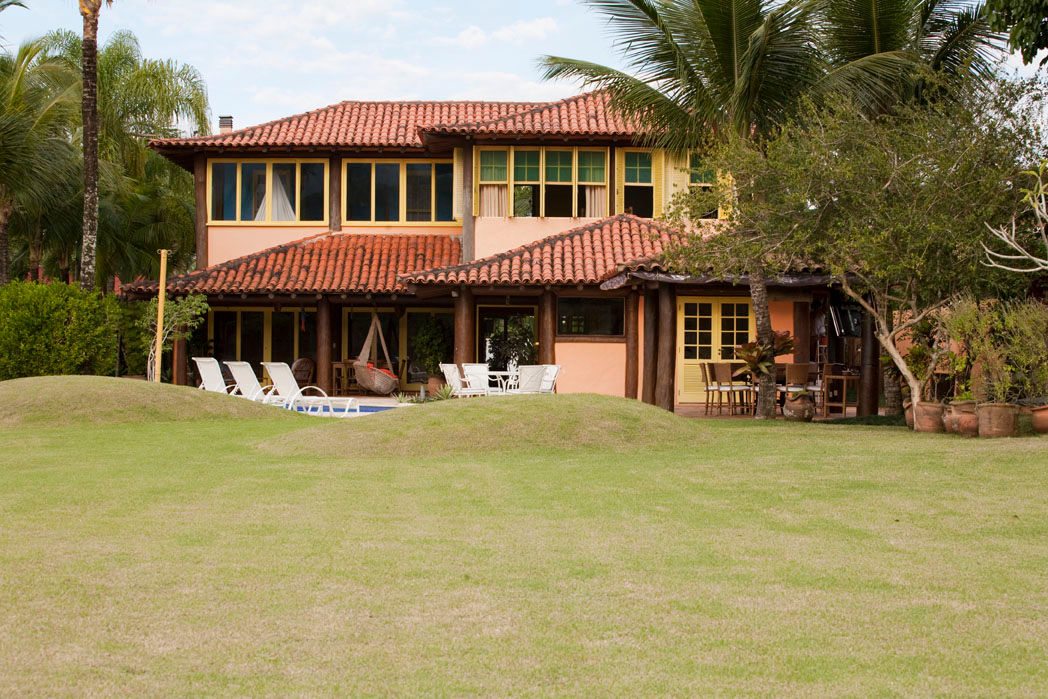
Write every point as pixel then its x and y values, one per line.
pixel 5 216
pixel 765 409
pixel 892 394
pixel 36 252
pixel 89 110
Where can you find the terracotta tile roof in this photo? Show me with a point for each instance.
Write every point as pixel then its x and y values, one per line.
pixel 330 262
pixel 588 114
pixel 385 124
pixel 585 255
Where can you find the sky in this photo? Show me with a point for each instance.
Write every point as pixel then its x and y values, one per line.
pixel 266 59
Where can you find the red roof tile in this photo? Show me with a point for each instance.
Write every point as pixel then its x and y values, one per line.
pixel 586 255
pixel 331 262
pixel 588 114
pixel 386 124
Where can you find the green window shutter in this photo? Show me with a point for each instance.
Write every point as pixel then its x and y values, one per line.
pixel 638 168
pixel 558 166
pixel 526 166
pixel 698 172
pixel 492 166
pixel 591 166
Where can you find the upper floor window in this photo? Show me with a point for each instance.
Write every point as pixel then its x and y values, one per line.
pixel 700 176
pixel 639 191
pixel 527 182
pixel 398 191
pixel 268 191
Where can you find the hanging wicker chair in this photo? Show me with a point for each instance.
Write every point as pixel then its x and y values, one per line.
pixel 368 377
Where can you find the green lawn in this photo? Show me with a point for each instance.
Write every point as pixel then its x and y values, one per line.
pixel 539 545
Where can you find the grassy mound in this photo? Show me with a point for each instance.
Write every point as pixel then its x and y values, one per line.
pixel 496 423
pixel 63 400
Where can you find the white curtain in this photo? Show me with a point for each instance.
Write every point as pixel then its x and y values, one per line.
pixel 282 208
pixel 494 201
pixel 596 201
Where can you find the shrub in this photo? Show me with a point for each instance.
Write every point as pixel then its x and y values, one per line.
pixel 55 329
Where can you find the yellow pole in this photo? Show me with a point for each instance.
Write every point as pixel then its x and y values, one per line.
pixel 158 352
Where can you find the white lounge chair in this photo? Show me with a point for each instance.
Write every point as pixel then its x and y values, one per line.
pixel 289 394
pixel 458 387
pixel 247 383
pixel 529 379
pixel 477 377
pixel 211 378
pixel 549 381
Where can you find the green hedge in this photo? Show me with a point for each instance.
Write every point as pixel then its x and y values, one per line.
pixel 56 328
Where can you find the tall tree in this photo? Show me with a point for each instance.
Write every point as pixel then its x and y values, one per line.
pixel 1026 22
pixel 741 66
pixel 89 10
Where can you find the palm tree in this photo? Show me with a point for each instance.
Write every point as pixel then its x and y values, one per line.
pixel 89 10
pixel 696 66
pixel 37 94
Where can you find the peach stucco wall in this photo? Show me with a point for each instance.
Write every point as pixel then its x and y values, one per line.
pixel 592 367
pixel 495 235
pixel 229 242
pixel 782 321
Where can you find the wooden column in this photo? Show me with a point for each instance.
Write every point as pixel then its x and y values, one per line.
pixel 464 326
pixel 802 332
pixel 469 235
pixel 632 340
pixel 324 345
pixel 200 219
pixel 651 339
pixel 547 327
pixel 179 362
pixel 870 370
pixel 335 193
pixel 667 360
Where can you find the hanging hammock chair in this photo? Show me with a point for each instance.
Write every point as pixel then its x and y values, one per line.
pixel 375 380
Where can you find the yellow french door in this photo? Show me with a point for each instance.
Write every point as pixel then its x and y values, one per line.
pixel 708 329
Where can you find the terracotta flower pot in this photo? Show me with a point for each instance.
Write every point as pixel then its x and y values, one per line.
pixel 965 419
pixel 949 419
pixel 1039 415
pixel 928 417
pixel 998 419
pixel 433 385
pixel 799 408
pixel 907 411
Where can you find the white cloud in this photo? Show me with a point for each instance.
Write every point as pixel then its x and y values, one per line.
pixel 469 38
pixel 526 30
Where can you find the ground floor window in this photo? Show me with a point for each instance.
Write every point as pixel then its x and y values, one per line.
pixel 259 335
pixel 431 337
pixel 590 316
pixel 356 324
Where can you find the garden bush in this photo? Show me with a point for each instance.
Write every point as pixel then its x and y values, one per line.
pixel 55 329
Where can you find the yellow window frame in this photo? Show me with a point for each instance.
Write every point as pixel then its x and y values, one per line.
pixel 402 196
pixel 509 182
pixel 268 162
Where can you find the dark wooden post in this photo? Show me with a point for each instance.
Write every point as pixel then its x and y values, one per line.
pixel 464 326
pixel 324 345
pixel 667 365
pixel 200 220
pixel 179 362
pixel 651 339
pixel 547 328
pixel 870 370
pixel 469 236
pixel 801 332
pixel 335 194
pixel 632 360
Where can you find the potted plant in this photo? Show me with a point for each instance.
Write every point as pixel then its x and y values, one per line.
pixel 799 406
pixel 432 347
pixel 1025 325
pixel 922 360
pixel 998 417
pixel 758 359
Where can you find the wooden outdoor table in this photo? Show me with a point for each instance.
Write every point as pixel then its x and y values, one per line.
pixel 342 376
pixel 845 380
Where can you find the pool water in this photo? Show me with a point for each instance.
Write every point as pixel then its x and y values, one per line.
pixel 364 409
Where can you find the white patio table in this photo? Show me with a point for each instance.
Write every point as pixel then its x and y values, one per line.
pixel 504 378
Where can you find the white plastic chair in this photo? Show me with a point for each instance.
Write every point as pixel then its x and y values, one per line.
pixel 211 378
pixel 247 383
pixel 549 381
pixel 454 379
pixel 529 379
pixel 288 393
pixel 478 378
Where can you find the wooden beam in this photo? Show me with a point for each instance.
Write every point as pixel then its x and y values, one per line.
pixel 869 370
pixel 464 326
pixel 802 332
pixel 335 193
pixel 324 345
pixel 632 340
pixel 547 328
pixel 200 218
pixel 469 235
pixel 664 382
pixel 179 362
pixel 651 339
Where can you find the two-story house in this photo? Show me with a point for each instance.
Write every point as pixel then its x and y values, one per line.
pixel 483 215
